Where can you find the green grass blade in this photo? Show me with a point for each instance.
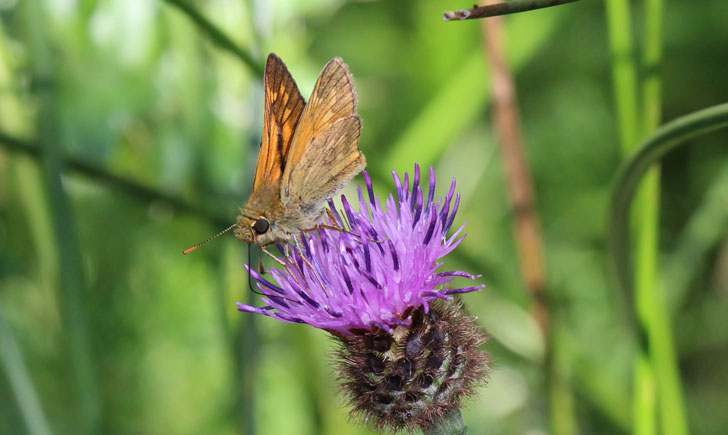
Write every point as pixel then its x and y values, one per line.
pixel 624 75
pixel 624 72
pixel 652 304
pixel 20 380
pixel 649 302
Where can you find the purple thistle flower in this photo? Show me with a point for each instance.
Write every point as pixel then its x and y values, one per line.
pixel 374 275
pixel 407 357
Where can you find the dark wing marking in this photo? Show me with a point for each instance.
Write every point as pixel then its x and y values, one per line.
pixel 283 108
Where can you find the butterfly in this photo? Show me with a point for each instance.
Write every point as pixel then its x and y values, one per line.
pixel 308 152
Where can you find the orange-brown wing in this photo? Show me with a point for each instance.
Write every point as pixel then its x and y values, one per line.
pixel 332 99
pixel 327 165
pixel 283 108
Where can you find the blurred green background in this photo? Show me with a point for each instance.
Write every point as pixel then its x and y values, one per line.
pixel 148 134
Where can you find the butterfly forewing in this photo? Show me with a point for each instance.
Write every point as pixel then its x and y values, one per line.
pixel 283 108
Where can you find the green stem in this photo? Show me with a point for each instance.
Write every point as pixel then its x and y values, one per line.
pixel 649 301
pixel 646 299
pixel 217 36
pixel 624 75
pixel 644 396
pixel 20 380
pixel 652 56
pixel 652 306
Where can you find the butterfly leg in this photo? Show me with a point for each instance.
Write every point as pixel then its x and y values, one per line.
pixel 336 227
pixel 282 263
pixel 331 216
pixel 300 252
pixel 341 230
pixel 315 270
pixel 278 260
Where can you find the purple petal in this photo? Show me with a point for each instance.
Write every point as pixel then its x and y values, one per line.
pixel 397 187
pixel 431 193
pixel 458 273
pixel 415 184
pixel 370 189
pixel 430 230
pixel 456 291
pixel 249 309
pixel 450 219
pixel 418 206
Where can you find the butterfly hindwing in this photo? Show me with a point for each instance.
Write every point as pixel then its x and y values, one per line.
pixel 332 159
pixel 333 98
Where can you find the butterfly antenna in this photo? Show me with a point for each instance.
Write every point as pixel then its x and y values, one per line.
pixel 192 248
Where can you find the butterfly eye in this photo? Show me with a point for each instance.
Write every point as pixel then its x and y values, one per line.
pixel 261 226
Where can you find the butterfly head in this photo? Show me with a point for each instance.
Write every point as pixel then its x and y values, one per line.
pixel 257 230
